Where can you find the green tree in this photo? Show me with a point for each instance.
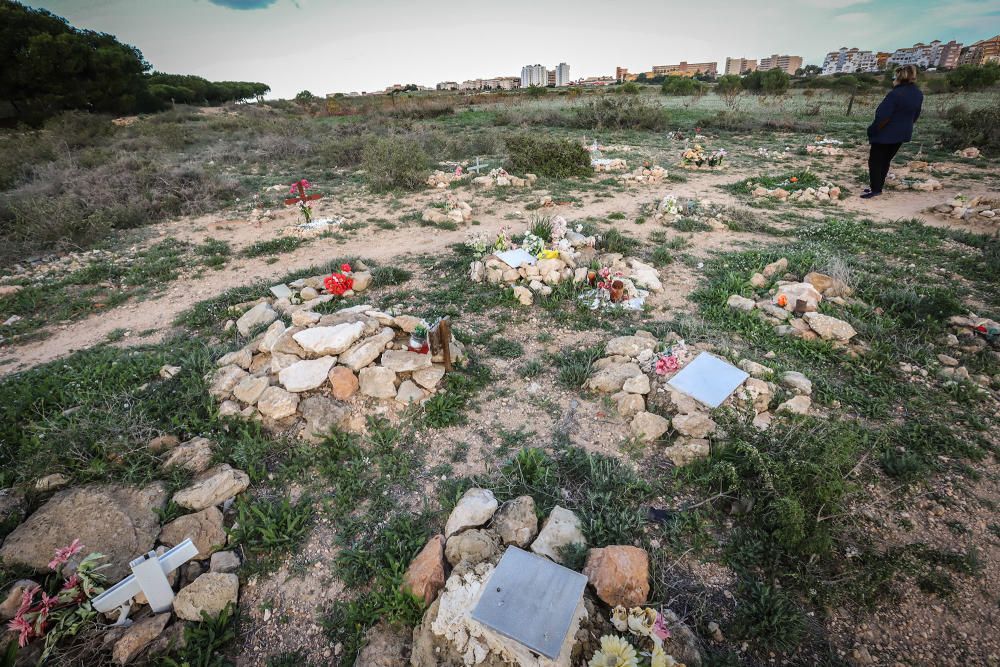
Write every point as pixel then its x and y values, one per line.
pixel 535 91
pixel 775 82
pixel 304 96
pixel 729 87
pixel 972 77
pixel 680 85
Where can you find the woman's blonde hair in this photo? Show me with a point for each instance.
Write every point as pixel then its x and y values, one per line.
pixel 905 74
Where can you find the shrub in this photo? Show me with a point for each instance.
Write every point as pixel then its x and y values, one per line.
pixel 680 85
pixel 630 88
pixel 768 615
pixel 971 77
pixel 619 113
pixel 978 127
pixel 393 162
pixel 545 156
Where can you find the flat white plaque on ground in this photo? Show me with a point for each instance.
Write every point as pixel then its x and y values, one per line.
pixel 516 258
pixel 531 600
pixel 708 379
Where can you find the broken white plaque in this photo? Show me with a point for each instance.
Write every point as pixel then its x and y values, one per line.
pixel 281 291
pixel 708 379
pixel 320 223
pixel 531 600
pixel 516 258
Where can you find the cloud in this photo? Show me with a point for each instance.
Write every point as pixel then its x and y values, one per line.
pixel 244 4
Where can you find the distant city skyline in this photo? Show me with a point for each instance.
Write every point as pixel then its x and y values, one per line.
pixel 353 45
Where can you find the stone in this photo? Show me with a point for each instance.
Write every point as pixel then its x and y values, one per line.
pixel 304 318
pixel 51 482
pixel 516 522
pixel 645 276
pixel 210 593
pixel 287 344
pixel 362 279
pixel 762 421
pixel 195 455
pixel 694 425
pixel 404 361
pixel 409 392
pixel 225 379
pixel 798 405
pixel 758 393
pixel 307 374
pixel 758 281
pixel 260 315
pixel 213 487
pixel 629 346
pixel 425 575
pixel 343 382
pixel 637 385
pixel 224 561
pixel 523 295
pixel 408 322
pixel 612 378
pixel 561 529
pixel 119 522
pixel 162 443
pixel 799 297
pixel 945 360
pixel 471 547
pixel 797 382
pixel 820 281
pixel 774 268
pixel 12 601
pixel 138 636
pixel 474 509
pixel 683 453
pixel 649 427
pixel 323 341
pixel 271 336
pixel 322 414
pixel 276 403
pixel 737 302
pixel 367 351
pixel 619 575
pixel 830 328
pixel 249 389
pixel 430 377
pixel 280 361
pixel 755 369
pixel 204 528
pixel 629 404
pixel 684 404
pixel 378 382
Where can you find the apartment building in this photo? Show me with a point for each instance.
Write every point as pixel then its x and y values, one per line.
pixel 534 75
pixel 684 68
pixel 849 61
pixel 562 75
pixel 740 65
pixel 935 54
pixel 621 74
pixel 982 52
pixel 788 64
pixel 447 85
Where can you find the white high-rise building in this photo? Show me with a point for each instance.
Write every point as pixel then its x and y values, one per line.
pixel 562 75
pixel 534 75
pixel 850 61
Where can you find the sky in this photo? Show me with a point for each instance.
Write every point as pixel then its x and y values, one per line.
pixel 327 46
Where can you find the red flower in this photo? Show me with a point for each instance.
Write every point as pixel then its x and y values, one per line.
pixel 65 553
pixel 338 283
pixel 346 268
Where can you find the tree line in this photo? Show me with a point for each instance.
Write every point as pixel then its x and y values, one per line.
pixel 50 66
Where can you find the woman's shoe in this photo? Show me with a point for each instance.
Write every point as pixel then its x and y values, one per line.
pixel 870 194
pixel 867 190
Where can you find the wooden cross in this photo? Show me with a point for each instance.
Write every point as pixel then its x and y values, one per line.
pixel 303 197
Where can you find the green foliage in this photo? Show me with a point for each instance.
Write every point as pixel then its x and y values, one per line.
pixel 575 365
pixel 974 77
pixel 394 163
pixel 976 127
pixel 768 615
pixel 273 246
pixel 536 91
pixel 505 348
pixel 628 88
pixel 190 89
pixel 729 84
pixel 614 240
pixel 681 85
pixel 771 82
pixel 270 527
pixel 541 226
pixel 204 640
pixel 629 112
pixel 387 276
pixel 447 407
pixel 546 156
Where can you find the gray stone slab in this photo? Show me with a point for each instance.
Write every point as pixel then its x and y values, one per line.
pixel 531 600
pixel 708 379
pixel 281 291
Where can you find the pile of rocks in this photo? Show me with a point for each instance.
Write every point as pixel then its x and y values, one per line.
pixel 824 193
pixel 971 153
pixel 791 305
pixel 898 182
pixel 310 376
pixel 645 175
pixel 442 179
pixel 824 150
pixel 628 373
pixel 983 209
pixel 601 165
pixel 122 523
pixel 499 178
pixel 451 209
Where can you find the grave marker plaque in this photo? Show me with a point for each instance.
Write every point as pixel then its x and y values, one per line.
pixel 708 379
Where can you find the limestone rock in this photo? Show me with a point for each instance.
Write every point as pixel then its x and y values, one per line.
pixel 774 268
pixel 138 636
pixel 408 322
pixel 304 318
pixel 224 561
pixel 820 281
pixel 683 453
pixel 474 508
pixel 276 403
pixel 271 336
pixel 798 405
pixel 648 426
pixel 619 575
pixel 409 392
pixel 204 528
pixel 307 374
pixel 52 482
pixel 429 377
pixel 629 346
pixel 322 341
pixel 737 302
pixel 404 361
pixel 637 385
pixel 225 379
pixel 561 529
pixel 162 443
pixel 797 382
pixel 378 382
pixel 367 350
pixel 260 315
pixel 611 378
pixel 755 369
pixel 645 276
pixel 830 328
pixel 210 592
pixel 758 281
pixel 362 279
pixel 249 389
pixel 322 415
pixel 119 522
pixel 471 547
pixel 343 382
pixel 516 522
pixel 217 485
pixel 757 392
pixel 799 297
pixel 385 646
pixel 426 574
pixel 523 295
pixel 694 425
pixel 194 455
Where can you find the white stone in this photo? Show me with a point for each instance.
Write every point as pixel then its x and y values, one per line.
pixel 404 361
pixel 409 392
pixel 560 529
pixel 367 351
pixel 276 403
pixel 259 315
pixel 474 508
pixel 333 340
pixel 377 382
pixel 637 385
pixel 307 374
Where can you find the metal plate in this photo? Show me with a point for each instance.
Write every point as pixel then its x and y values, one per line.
pixel 708 379
pixel 531 600
pixel 516 258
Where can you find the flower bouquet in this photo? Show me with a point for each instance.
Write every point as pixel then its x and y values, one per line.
pixel 644 623
pixel 299 188
pixel 697 157
pixel 339 283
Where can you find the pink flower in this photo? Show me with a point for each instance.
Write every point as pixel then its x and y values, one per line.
pixel 666 365
pixel 660 628
pixel 72 582
pixel 65 553
pixel 27 599
pixel 23 628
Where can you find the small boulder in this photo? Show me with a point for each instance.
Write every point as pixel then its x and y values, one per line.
pixel 797 382
pixel 276 403
pixel 561 529
pixel 830 328
pixel 798 405
pixel 204 528
pixel 250 388
pixel 516 522
pixel 325 341
pixel 409 392
pixel 426 574
pixel 637 385
pixel 629 346
pixel 619 575
pixel 210 592
pixel 429 377
pixel 137 637
pixel 307 374
pixel 322 415
pixel 217 485
pixel 195 455
pixel 474 508
pixel 694 425
pixel 471 547
pixel 404 361
pixel 648 426
pixel 612 377
pixel 737 302
pixel 224 561
pixel 378 382
pixel 683 453
pixel 260 315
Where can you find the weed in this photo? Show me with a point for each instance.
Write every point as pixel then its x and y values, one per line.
pixel 575 366
pixel 394 162
pixel 267 529
pixel 767 614
pixel 546 156
pixel 273 246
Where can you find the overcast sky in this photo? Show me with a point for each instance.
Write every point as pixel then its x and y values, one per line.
pixel 344 45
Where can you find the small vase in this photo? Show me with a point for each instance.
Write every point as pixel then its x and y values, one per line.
pixel 591 277
pixel 617 291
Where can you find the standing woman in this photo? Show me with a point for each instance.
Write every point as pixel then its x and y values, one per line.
pixel 892 127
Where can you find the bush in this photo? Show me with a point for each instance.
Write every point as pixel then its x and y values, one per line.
pixel 392 162
pixel 971 77
pixel 545 156
pixel 619 113
pixel 630 88
pixel 681 85
pixel 978 127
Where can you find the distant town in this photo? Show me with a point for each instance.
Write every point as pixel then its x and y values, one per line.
pixel 935 55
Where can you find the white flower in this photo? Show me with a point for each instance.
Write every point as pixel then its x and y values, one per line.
pixel 641 621
pixel 619 618
pixel 614 652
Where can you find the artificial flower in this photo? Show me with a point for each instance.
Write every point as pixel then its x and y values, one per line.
pixel 614 652
pixel 619 618
pixel 65 553
pixel 794 179
pixel 667 364
pixel 641 621
pixel 660 630
pixel 24 629
pixel 338 284
pixel 548 254
pixel 345 268
pixel 659 658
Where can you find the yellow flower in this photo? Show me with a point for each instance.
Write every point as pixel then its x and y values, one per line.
pixel 548 254
pixel 641 621
pixel 619 618
pixel 660 659
pixel 614 652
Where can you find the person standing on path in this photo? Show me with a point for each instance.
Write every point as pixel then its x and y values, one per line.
pixel 892 127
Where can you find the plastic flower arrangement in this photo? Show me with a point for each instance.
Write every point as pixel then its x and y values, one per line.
pixel 304 207
pixel 532 244
pixel 696 156
pixel 716 158
pixel 671 360
pixel 614 652
pixel 559 228
pixel 62 606
pixel 479 243
pixel 669 205
pixel 339 283
pixel 645 623
pixel 606 278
